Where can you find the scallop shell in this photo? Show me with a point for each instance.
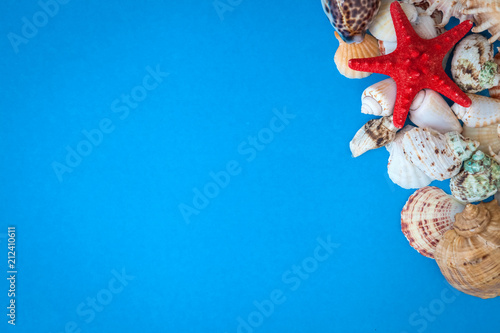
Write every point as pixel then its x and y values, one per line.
pixel 495 91
pixel 400 170
pixel 478 180
pixel 379 99
pixel 429 109
pixel 382 27
pixel 484 111
pixel 472 66
pixel 425 26
pixel 351 18
pixel 438 156
pixel 488 21
pixel 374 134
pixel 449 8
pixel 487 136
pixel 426 216
pixel 468 255
pixel 366 49
pixel 387 47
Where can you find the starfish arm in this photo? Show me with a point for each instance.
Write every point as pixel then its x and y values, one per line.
pixel 447 41
pixel 381 64
pixel 404 99
pixel 403 27
pixel 448 88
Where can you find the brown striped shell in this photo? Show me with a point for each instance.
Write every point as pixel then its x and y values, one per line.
pixel 469 254
pixel 351 18
pixel 426 216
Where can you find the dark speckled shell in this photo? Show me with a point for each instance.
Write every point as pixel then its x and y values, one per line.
pixel 351 18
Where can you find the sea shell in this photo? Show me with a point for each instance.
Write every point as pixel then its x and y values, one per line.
pixel 484 111
pixel 382 27
pixel 425 26
pixel 379 99
pixel 481 6
pixel 495 91
pixel 487 136
pixel 494 156
pixel 472 66
pixel 469 254
pixel 449 8
pixel 374 134
pixel 478 180
pixel 401 171
pixel 488 21
pixel 429 109
pixel 437 16
pixel 351 18
pixel 426 216
pixel 438 156
pixel 366 49
pixel 387 47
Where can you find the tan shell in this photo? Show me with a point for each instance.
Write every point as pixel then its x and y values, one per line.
pixel 488 21
pixel 426 216
pixel 379 99
pixel 401 171
pixel 429 109
pixel 368 48
pixel 469 254
pixel 438 156
pixel 487 136
pixel 481 6
pixel 374 134
pixel 484 111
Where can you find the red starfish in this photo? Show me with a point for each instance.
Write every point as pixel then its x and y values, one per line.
pixel 416 64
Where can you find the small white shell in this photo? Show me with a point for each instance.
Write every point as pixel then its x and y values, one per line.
pixel 379 99
pixel 429 109
pixel 472 66
pixel 387 47
pixel 382 27
pixel 374 134
pixel 487 136
pixel 401 171
pixel 425 27
pixel 484 111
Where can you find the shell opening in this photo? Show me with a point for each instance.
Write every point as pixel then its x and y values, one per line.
pixel 418 100
pixel 370 106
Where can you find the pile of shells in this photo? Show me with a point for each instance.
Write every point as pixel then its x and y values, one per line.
pixel 442 141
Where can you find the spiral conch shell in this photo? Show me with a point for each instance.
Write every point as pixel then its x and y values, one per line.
pixel 429 109
pixel 368 48
pixel 449 8
pixel 351 18
pixel 382 27
pixel 484 111
pixel 472 66
pixel 379 99
pixel 426 216
pixel 478 180
pixel 374 134
pixel 401 171
pixel 438 156
pixel 468 255
pixel 488 136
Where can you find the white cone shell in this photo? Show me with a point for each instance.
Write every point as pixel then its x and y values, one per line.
pixel 401 171
pixel 429 109
pixel 484 111
pixel 379 99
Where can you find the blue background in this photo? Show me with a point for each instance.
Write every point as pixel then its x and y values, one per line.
pixel 119 207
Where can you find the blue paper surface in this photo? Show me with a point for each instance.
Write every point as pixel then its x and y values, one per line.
pixel 184 166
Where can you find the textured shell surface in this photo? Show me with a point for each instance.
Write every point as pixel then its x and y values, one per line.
pixel 401 171
pixel 481 6
pixel 351 18
pixel 425 26
pixel 429 109
pixel 374 134
pixel 449 8
pixel 383 28
pixel 438 156
pixel 484 111
pixel 478 180
pixel 495 91
pixel 379 99
pixel 490 21
pixel 487 136
pixel 472 65
pixel 366 49
pixel 468 255
pixel 426 216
